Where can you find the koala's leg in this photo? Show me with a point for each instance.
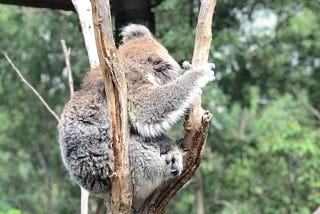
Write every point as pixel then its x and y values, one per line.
pixel 86 153
pixel 156 109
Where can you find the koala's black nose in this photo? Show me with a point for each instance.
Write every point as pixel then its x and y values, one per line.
pixel 173 160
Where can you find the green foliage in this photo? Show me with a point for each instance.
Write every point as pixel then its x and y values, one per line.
pixel 269 157
pixel 32 177
pixel 263 146
pixel 11 211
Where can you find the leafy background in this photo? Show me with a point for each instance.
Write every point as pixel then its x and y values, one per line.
pixel 262 152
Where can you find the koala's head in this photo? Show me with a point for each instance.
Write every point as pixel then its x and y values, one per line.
pixel 144 59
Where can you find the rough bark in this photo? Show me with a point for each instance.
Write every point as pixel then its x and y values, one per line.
pixel 196 123
pixel 116 92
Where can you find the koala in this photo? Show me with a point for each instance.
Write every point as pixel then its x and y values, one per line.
pixel 158 95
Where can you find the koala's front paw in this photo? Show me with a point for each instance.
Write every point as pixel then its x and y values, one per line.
pixel 186 65
pixel 207 72
pixel 174 161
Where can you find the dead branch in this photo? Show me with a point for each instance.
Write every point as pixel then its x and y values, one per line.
pixel 197 120
pixel 31 87
pixel 66 53
pixel 310 108
pixel 84 11
pixel 116 93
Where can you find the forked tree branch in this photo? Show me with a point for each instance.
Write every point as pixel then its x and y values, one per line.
pixel 116 93
pixel 197 120
pixel 31 87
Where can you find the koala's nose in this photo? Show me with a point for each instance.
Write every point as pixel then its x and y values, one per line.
pixel 175 173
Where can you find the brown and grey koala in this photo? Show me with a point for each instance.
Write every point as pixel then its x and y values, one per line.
pixel 159 93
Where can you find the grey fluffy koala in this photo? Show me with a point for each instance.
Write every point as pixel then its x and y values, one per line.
pixel 159 93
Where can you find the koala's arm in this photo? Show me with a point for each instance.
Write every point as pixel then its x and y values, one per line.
pixel 158 107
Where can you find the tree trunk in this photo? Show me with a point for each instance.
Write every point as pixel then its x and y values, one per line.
pixel 116 93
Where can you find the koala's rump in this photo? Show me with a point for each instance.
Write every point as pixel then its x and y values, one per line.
pixel 85 134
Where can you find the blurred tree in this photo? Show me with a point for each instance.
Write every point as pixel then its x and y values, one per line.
pixel 32 176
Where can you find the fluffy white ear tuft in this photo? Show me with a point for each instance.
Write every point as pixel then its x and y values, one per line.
pixel 134 31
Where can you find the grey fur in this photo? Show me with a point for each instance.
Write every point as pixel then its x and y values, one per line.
pixel 158 96
pixel 134 31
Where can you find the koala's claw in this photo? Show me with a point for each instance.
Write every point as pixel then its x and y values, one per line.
pixel 207 72
pixel 186 65
pixel 212 66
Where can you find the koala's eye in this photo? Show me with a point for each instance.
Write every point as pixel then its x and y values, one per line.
pixel 162 67
pixel 158 64
pixel 154 60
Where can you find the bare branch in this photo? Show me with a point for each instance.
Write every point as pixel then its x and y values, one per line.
pixel 84 200
pixel 317 211
pixel 66 53
pixel 310 108
pixel 31 87
pixel 199 192
pixel 84 11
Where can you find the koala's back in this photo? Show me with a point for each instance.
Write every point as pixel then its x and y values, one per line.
pixel 84 132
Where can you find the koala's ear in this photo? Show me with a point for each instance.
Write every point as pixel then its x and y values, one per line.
pixel 134 31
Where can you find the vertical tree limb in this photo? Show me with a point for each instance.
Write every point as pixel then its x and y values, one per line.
pixel 116 92
pixel 83 8
pixel 197 120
